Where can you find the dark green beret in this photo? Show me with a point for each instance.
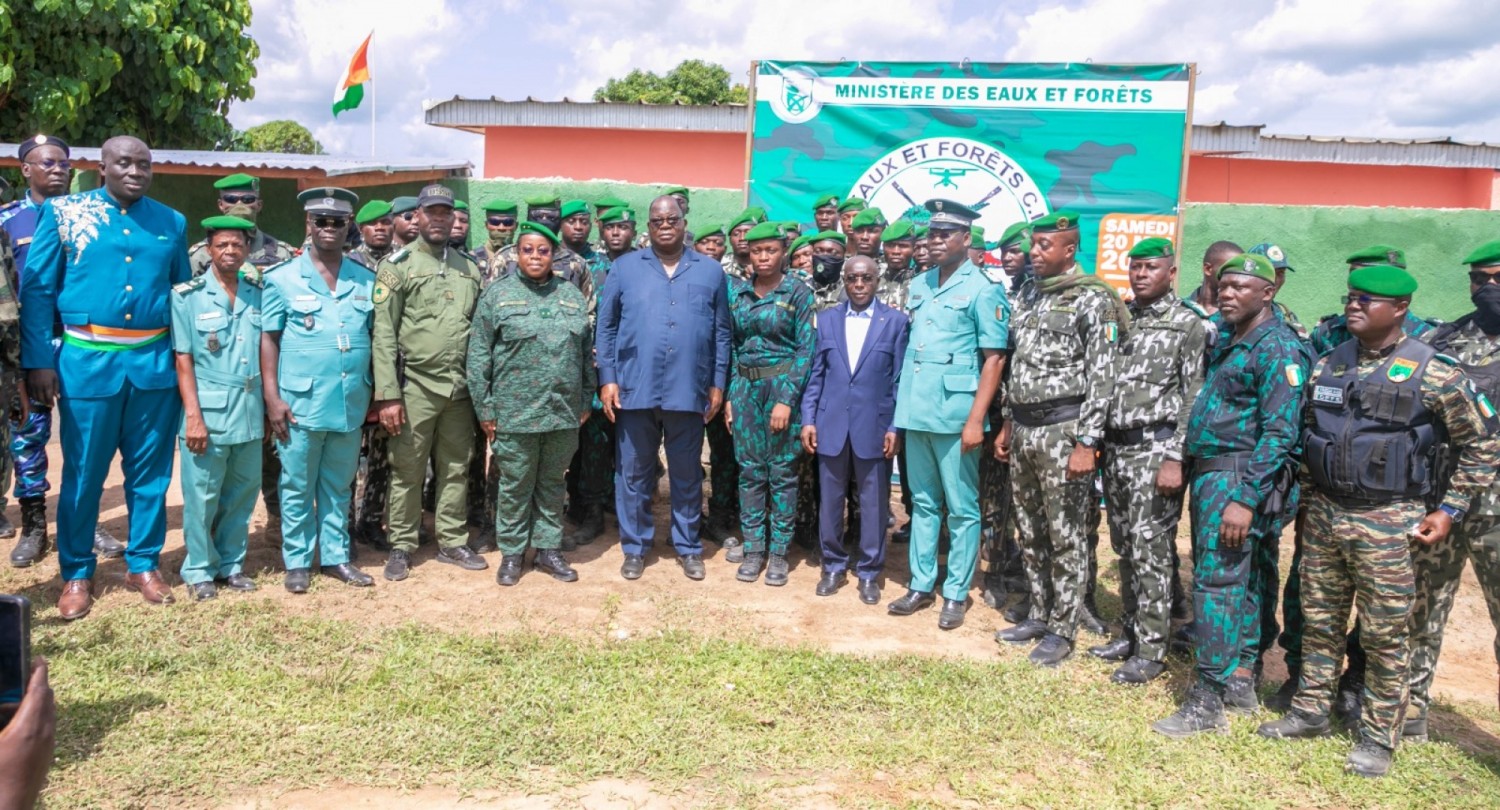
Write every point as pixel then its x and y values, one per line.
pixel 823 236
pixel 373 210
pixel 1382 279
pixel 922 231
pixel 766 230
pixel 898 230
pixel 460 205
pixel 1017 233
pixel 679 190
pixel 737 222
pixel 976 237
pixel 609 201
pixel 1055 222
pixel 573 207
pixel 1154 248
pixel 829 200
pixel 869 218
pixel 755 213
pixel 235 182
pixel 225 223
pixel 710 230
pixel 1378 254
pixel 401 205
pixel 543 201
pixel 537 228
pixel 329 200
pixel 1486 255
pixel 805 240
pixel 853 204
pixel 499 207
pixel 1249 264
pixel 1274 253
pixel 622 213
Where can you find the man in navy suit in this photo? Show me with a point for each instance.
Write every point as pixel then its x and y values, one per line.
pixel 662 345
pixel 847 414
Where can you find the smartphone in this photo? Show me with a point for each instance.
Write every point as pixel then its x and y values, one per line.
pixel 15 647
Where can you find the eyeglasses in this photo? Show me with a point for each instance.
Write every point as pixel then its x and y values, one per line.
pixel 324 223
pixel 535 250
pixel 506 221
pixel 239 198
pixel 858 278
pixel 1364 300
pixel 1479 277
pixel 664 222
pixel 49 164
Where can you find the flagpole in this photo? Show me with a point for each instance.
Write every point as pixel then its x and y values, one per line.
pixel 372 117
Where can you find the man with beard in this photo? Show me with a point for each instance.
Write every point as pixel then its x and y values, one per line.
pixel 239 196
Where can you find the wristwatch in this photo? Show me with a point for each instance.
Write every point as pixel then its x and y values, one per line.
pixel 1087 441
pixel 1453 512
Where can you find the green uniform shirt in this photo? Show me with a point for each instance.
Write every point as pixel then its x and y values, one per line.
pixel 424 300
pixel 530 360
pixel 1472 347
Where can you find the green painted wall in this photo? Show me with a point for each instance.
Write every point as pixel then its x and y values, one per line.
pixel 705 205
pixel 1316 240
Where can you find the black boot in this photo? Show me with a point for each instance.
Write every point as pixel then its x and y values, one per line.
pixel 589 526
pixel 1088 616
pixel 33 543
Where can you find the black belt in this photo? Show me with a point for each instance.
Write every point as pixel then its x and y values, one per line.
pixel 1235 463
pixel 1140 435
pixel 762 372
pixel 1051 412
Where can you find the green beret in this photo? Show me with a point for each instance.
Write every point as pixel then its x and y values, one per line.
pixel 235 182
pixel 823 236
pixel 543 201
pixel 710 230
pixel 1486 255
pixel 460 205
pixel 499 207
pixel 537 228
pixel 620 213
pixel 805 240
pixel 1383 279
pixel 1378 254
pixel 898 230
pixel 1018 232
pixel 573 207
pixel 1274 253
pixel 922 231
pixel 609 201
pixel 373 210
pixel 755 213
pixel 764 231
pixel 976 237
pixel 1055 222
pixel 829 200
pixel 1153 248
pixel 1249 264
pixel 682 190
pixel 401 205
pixel 853 204
pixel 869 218
pixel 223 223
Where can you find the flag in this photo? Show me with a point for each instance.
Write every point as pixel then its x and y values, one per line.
pixel 350 90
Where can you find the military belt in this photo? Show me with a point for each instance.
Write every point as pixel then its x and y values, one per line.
pixel 946 358
pixel 1140 435
pixel 248 383
pixel 1051 412
pixel 762 372
pixel 1234 462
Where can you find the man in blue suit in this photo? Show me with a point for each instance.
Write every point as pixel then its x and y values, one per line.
pixel 847 420
pixel 104 262
pixel 662 345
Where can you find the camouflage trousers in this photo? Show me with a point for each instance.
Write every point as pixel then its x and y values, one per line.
pixel 723 471
pixel 28 454
pixel 1267 580
pixel 1143 531
pixel 1293 622
pixel 1358 558
pixel 591 474
pixel 1438 568
pixel 1228 591
pixel 999 553
pixel 767 466
pixel 1052 514
pixel 375 473
pixel 529 475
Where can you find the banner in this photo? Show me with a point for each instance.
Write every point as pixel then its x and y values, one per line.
pixel 1015 141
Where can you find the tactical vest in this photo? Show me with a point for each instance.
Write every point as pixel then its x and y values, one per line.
pixel 1486 378
pixel 1372 441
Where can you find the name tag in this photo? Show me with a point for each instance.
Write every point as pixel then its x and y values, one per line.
pixel 307 298
pixel 1328 394
pixel 206 315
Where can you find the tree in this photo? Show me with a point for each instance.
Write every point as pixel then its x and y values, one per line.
pixel 278 136
pixel 694 81
pixel 165 71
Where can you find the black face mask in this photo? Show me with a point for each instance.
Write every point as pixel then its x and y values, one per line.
pixel 1487 308
pixel 826 269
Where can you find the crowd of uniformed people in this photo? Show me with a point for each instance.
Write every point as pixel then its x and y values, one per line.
pixel 528 389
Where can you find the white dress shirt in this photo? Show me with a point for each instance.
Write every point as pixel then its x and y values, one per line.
pixel 856 326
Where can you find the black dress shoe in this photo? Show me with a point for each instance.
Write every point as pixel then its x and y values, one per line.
pixel 903 534
pixel 1017 613
pixel 633 566
pixel 552 561
pixel 106 546
pixel 1027 631
pixel 348 574
pixel 1138 671
pixel 776 570
pixel 237 582
pixel 912 602
pixel 831 581
pixel 397 565
pixel 1051 651
pixel 692 566
pixel 202 591
pixel 750 568
pixel 734 550
pixel 869 591
pixel 463 557
pixel 509 572
pixel 297 579
pixel 952 615
pixel 1117 650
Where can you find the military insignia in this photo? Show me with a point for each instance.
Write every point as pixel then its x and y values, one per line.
pixel 1063 223
pixel 1112 331
pixel 1328 394
pixel 937 205
pixel 1401 369
pixel 308 321
pixel 213 342
pixel 382 292
pixel 1339 371
pixel 1275 254
pixel 1293 375
pixel 1392 258
pixel 1484 406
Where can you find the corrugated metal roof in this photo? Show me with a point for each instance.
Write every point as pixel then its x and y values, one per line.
pixel 1223 137
pixel 1441 152
pixel 474 113
pixel 328 165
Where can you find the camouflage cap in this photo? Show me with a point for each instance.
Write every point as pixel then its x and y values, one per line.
pixel 1274 253
pixel 1055 222
pixel 869 218
pixel 1377 254
pixel 899 230
pixel 1249 264
pixel 1383 279
pixel 1486 255
pixel 1154 248
pixel 371 211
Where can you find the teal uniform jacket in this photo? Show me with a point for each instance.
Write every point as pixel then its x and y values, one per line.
pixel 224 342
pixel 324 374
pixel 949 327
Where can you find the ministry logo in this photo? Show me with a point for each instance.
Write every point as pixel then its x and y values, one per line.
pixel 790 94
pixel 959 169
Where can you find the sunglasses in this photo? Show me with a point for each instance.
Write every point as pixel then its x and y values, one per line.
pixel 1364 301
pixel 325 223
pixel 1481 278
pixel 506 221
pixel 409 216
pixel 50 164
pixel 232 199
pixel 529 250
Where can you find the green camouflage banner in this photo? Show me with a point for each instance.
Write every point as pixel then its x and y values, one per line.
pixel 1016 141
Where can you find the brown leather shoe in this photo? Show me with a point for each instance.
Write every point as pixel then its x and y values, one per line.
pixel 77 599
pixel 151 586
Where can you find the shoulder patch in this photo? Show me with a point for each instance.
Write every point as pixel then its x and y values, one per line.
pixel 1293 374
pixel 190 285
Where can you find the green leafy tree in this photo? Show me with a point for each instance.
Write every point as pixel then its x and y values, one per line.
pixel 278 136
pixel 165 71
pixel 694 81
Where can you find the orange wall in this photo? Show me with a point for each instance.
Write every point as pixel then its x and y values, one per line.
pixel 1240 180
pixel 696 159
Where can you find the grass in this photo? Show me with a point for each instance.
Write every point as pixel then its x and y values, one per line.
pixel 204 703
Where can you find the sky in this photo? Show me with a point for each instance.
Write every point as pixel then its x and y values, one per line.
pixel 1359 68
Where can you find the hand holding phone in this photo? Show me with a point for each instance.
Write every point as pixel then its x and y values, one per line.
pixel 15 647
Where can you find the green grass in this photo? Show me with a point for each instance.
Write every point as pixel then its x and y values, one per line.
pixel 203 703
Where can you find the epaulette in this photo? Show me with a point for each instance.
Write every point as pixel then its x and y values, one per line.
pixel 398 256
pixel 190 285
pixel 197 246
pixel 273 268
pixel 467 255
pixel 1195 308
pixel 1328 317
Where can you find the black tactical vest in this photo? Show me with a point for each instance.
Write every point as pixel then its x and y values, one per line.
pixel 1373 441
pixel 1486 378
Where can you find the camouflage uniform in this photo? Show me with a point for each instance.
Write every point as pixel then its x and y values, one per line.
pixel 1333 330
pixel 894 287
pixel 1357 553
pixel 1476 539
pixel 734 269
pixel 566 264
pixel 893 291
pixel 1244 430
pixel 774 339
pixel 1289 318
pixel 1061 380
pixel 374 476
pixel 265 251
pixel 367 257
pixel 1160 372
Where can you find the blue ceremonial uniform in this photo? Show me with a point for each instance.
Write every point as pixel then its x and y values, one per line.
pixel 950 325
pixel 106 271
pixel 324 375
pixel 665 340
pixel 28 440
pixel 219 485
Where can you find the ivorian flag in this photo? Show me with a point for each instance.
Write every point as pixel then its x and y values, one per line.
pixel 350 90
